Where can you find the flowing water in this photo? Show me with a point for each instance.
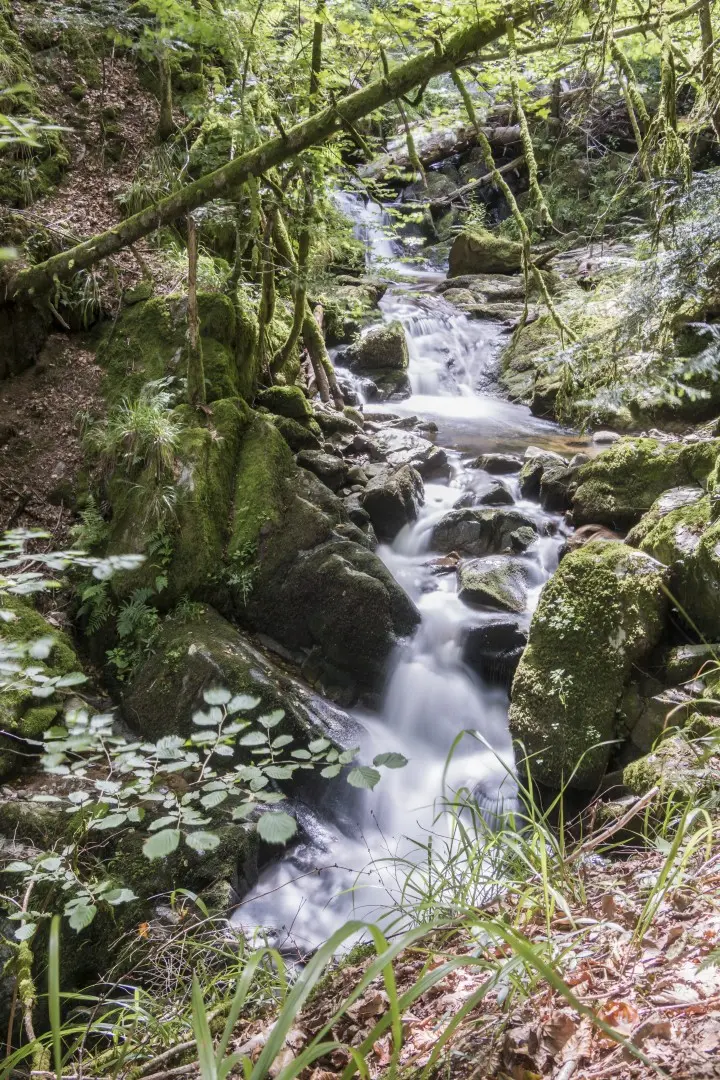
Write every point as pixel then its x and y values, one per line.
pixel 347 865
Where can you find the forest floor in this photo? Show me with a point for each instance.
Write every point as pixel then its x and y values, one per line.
pixel 633 948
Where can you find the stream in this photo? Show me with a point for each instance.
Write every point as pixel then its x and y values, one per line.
pixel 347 867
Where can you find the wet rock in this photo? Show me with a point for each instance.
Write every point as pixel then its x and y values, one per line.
pixel 493 650
pixel 498 464
pixel 393 499
pixel 330 469
pixel 620 485
pixel 605 438
pixel 383 348
pixel 585 535
pixel 668 709
pixel 400 447
pixel 522 538
pixel 558 484
pixel 601 613
pixel 482 531
pixel 333 422
pixel 534 464
pixel 498 494
pixel 497 581
pixel 482 252
pixel 684 662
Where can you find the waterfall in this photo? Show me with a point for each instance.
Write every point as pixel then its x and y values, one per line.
pixel 348 866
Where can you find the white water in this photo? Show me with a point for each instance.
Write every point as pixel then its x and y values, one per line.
pixel 346 869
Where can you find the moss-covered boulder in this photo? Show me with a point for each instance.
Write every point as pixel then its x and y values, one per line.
pixel 311 580
pixel 347 306
pixel 620 485
pixel 600 614
pixel 383 348
pixel 201 650
pixel 287 401
pixel 148 342
pixel 687 540
pixel 478 251
pixel 21 714
pixel 298 435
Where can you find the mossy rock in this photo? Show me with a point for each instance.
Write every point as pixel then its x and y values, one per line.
pixel 682 771
pixel 346 307
pixel 382 349
pixel 601 613
pixel 287 401
pixel 687 540
pixel 620 485
pixel 148 342
pixel 21 714
pixel 200 520
pixel 478 251
pixel 298 436
pixel 313 582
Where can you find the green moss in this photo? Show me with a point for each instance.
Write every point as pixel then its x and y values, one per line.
pixel 298 436
pixel 601 613
pixel 264 466
pixel 478 251
pixel 20 712
pixel 286 401
pixel 688 541
pixel 620 485
pixel 678 768
pixel 148 342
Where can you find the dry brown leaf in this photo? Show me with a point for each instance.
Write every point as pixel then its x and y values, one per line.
pixel 622 1015
pixel 559 1029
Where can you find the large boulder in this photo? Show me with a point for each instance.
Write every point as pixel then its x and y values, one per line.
pixel 600 614
pixel 392 499
pixel 620 485
pixel 196 653
pixel 536 461
pixel 306 575
pixel 499 582
pixel 330 468
pixel 483 531
pixel 481 252
pixel 382 348
pixel 687 540
pixel 398 447
pixel 286 401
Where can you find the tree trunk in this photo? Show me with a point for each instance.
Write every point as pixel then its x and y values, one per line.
pixel 166 124
pixel 316 129
pixel 315 344
pixel 195 369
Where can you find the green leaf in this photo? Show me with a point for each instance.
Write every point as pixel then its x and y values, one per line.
pixel 17 868
pixel 217 696
pixel 270 720
pixel 213 798
pixel 279 772
pixel 161 844
pixel 318 745
pixel 253 738
pixel 81 916
pixel 202 841
pixel 347 755
pixel 281 740
pixel 110 822
pixel 203 719
pixel 52 864
pixel 301 755
pixel 26 931
pixel 362 776
pixel 391 761
pixel 276 828
pixel 243 703
pixel 243 811
pixel 330 770
pixel 119 896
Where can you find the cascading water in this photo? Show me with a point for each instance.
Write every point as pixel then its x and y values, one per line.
pixel 347 868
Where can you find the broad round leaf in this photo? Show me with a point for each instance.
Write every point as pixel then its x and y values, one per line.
pixel 276 828
pixel 217 695
pixel 202 841
pixel 363 777
pixel 391 761
pixel 161 844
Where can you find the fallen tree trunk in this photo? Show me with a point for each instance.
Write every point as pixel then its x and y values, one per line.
pixel 434 146
pixel 466 189
pixel 319 128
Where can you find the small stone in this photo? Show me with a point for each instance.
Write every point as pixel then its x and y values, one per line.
pixel 606 437
pixel 498 463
